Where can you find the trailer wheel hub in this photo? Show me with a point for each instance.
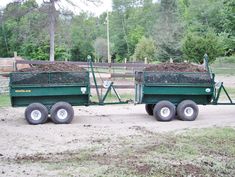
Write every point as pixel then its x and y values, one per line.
pixel 188 111
pixel 36 115
pixel 165 112
pixel 62 114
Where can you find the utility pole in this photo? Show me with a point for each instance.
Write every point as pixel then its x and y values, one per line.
pixel 52 30
pixel 108 43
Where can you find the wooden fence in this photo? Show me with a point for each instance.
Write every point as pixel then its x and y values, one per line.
pixel 4 81
pixel 127 66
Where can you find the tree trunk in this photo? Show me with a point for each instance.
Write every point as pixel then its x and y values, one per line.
pixel 52 30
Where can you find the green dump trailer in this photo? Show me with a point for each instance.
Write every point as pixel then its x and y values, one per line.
pixel 165 94
pixel 170 94
pixel 49 93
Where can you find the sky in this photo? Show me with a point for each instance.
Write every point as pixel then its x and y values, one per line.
pixel 96 10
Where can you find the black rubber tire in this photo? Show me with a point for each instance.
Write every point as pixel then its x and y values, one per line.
pixel 59 106
pixel 149 109
pixel 187 104
pixel 157 111
pixel 33 107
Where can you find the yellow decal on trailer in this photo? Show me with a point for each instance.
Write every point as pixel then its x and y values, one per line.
pixel 22 91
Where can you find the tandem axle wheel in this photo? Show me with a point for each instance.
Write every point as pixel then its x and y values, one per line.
pixel 186 110
pixel 60 113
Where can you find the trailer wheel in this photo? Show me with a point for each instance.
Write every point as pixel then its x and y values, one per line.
pixel 36 113
pixel 149 109
pixel 62 113
pixel 187 110
pixel 164 111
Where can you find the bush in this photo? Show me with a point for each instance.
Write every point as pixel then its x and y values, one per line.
pixel 145 49
pixel 195 46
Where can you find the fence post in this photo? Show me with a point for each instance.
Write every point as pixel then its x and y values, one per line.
pixel 14 65
pixel 14 62
pixel 145 60
pixel 15 55
pixel 125 60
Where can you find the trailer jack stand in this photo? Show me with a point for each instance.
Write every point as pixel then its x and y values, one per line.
pixel 109 88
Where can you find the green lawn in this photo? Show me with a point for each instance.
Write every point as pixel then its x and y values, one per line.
pixel 223 71
pixel 4 100
pixel 224 66
pixel 231 92
pixel 113 98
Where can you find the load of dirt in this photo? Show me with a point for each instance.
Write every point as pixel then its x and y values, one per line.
pixel 175 67
pixel 174 73
pixel 54 67
pixel 59 73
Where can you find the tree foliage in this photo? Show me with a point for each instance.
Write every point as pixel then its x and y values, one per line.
pixel 145 49
pixel 160 30
pixel 168 31
pixel 101 52
pixel 195 46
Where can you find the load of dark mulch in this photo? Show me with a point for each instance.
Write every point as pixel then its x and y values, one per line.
pixel 175 67
pixel 174 73
pixel 54 67
pixel 60 73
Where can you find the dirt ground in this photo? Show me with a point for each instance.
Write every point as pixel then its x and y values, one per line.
pixel 102 139
pixel 229 81
pixel 97 129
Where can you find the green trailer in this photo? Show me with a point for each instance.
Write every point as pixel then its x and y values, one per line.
pixel 165 94
pixel 170 94
pixel 162 92
pixel 51 93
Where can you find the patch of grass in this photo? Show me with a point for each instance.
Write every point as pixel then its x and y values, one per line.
pixel 198 152
pixel 113 98
pixel 223 71
pixel 231 92
pixel 224 66
pixel 222 60
pixel 4 100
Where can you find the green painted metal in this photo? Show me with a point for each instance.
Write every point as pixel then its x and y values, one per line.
pixel 152 87
pixel 48 90
pixel 102 98
pixel 111 87
pixel 94 78
pixel 177 90
pixel 51 87
pixel 176 94
pixel 23 92
pixel 74 100
pixel 107 92
pixel 218 93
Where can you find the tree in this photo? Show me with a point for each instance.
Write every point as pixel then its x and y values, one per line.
pixel 83 31
pixel 52 16
pixel 201 16
pixel 100 46
pixel 22 28
pixel 195 46
pixel 145 49
pixel 25 26
pixel 168 31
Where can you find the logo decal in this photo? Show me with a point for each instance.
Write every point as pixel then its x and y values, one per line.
pixel 208 90
pixel 83 90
